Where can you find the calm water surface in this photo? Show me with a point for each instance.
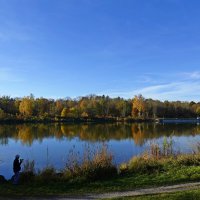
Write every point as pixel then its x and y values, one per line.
pixel 50 144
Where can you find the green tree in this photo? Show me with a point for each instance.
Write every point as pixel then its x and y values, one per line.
pixel 42 106
pixel 2 114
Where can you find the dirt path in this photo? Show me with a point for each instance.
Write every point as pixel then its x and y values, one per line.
pixel 155 190
pixel 138 192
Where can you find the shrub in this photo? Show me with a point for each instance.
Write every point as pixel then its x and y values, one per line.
pixel 142 164
pixel 156 159
pixel 2 179
pixel 29 166
pixel 159 151
pixel 28 172
pixel 96 165
pixel 159 159
pixel 123 168
pixel 188 159
pixel 47 174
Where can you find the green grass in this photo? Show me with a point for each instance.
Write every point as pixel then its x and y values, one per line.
pixel 119 183
pixel 184 195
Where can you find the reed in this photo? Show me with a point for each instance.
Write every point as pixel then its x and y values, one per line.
pixel 96 164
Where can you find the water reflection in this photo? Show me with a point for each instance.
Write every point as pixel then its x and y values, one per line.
pixel 36 141
pixel 139 133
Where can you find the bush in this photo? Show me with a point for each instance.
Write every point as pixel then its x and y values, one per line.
pixel 188 159
pixel 159 151
pixel 144 165
pixel 2 179
pixel 28 172
pixel 47 174
pixel 95 165
pixel 26 177
pixel 123 168
pixel 156 159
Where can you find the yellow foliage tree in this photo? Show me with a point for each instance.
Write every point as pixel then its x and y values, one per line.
pixel 198 111
pixel 26 106
pixel 64 112
pixel 138 107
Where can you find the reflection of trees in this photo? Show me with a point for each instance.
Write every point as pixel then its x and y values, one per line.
pixel 67 131
pixel 143 132
pixel 6 132
pixel 25 135
pixel 96 132
pixel 4 141
pixel 140 133
pixel 58 133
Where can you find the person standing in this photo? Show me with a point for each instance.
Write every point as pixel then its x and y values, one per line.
pixel 16 168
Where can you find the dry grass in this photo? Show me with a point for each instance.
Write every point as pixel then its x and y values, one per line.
pixel 96 164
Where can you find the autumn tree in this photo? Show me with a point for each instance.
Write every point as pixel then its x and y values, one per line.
pixel 73 112
pixel 59 106
pixel 83 106
pixel 138 107
pixel 26 107
pixel 42 106
pixel 198 111
pixel 64 112
pixel 2 114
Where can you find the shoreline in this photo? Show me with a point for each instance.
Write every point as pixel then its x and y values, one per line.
pixel 60 120
pixel 160 166
pixel 75 120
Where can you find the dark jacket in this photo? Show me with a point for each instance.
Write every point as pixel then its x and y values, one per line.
pixel 16 165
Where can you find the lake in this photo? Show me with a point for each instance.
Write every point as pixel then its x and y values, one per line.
pixel 50 144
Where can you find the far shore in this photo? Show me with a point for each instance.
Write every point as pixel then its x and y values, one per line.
pixel 75 120
pixel 98 120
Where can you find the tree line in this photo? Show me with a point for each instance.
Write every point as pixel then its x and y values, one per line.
pixel 93 106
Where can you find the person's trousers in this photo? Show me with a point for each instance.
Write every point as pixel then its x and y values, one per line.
pixel 16 178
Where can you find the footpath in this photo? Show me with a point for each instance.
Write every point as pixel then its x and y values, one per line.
pixel 137 192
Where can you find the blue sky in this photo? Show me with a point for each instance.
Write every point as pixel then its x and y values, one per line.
pixel 71 48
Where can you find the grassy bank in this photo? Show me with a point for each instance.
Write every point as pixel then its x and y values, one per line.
pixel 97 173
pixel 184 195
pixel 118 183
